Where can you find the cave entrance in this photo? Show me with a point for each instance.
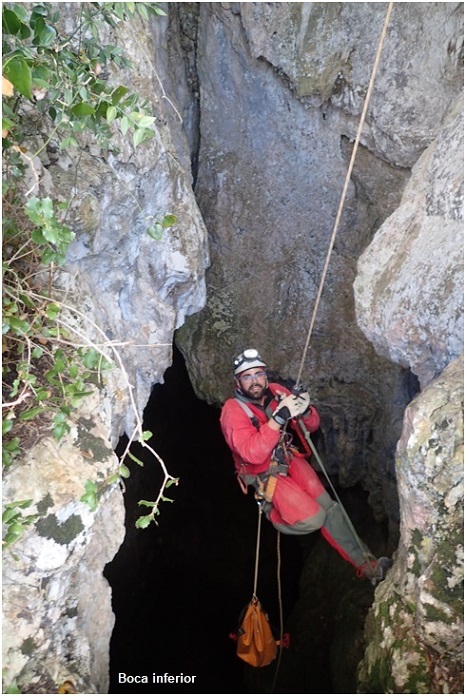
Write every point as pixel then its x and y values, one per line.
pixel 178 588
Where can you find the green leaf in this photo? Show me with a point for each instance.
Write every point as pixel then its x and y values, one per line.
pixel 60 429
pixel 19 74
pixel 82 109
pixel 13 535
pixel 12 447
pixel 146 435
pixel 6 124
pixel 39 210
pixel 43 394
pixel 52 311
pixel 19 326
pixel 9 514
pixel 156 231
pixel 168 220
pixel 91 358
pixel 135 459
pixel 147 503
pixel 91 500
pixel 142 9
pixel 7 425
pixel 111 113
pixel 124 471
pixel 125 125
pixel 31 413
pixel 91 487
pixel 156 10
pixel 20 504
pixel 172 482
pixel 11 24
pixel 146 121
pixel 118 94
pixel 51 256
pixel 40 9
pixel 143 522
pixel 140 135
pixel 41 74
pixel 21 12
pixel 47 35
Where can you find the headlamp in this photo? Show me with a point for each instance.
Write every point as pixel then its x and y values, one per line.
pixel 246 360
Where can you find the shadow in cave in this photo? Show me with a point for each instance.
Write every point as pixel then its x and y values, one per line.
pixel 178 587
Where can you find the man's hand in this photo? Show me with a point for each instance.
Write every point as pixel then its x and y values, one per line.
pixel 291 406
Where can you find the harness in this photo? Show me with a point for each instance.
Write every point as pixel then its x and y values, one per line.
pixel 282 455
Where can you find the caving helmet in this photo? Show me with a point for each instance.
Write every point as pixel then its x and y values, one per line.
pixel 246 360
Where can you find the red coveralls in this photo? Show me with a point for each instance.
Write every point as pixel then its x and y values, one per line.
pixel 300 503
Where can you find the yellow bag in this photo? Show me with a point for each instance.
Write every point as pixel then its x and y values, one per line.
pixel 256 644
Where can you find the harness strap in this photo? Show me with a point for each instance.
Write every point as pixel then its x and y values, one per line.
pixel 248 411
pixel 266 482
pixel 270 487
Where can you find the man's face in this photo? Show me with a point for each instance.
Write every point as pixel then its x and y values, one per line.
pixel 253 383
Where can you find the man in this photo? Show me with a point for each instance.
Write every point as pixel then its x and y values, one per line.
pixel 254 424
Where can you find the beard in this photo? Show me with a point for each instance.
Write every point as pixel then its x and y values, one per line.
pixel 255 391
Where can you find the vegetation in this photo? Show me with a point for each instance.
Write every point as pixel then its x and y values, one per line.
pixel 56 91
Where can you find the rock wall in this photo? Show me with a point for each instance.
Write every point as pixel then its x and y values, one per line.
pixel 409 301
pixel 270 95
pixel 415 629
pixel 57 616
pixel 409 289
pixel 131 293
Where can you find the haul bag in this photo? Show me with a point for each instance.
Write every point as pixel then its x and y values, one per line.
pixel 256 644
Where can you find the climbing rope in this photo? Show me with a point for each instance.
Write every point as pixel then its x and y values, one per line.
pixel 280 607
pixel 258 542
pixel 345 188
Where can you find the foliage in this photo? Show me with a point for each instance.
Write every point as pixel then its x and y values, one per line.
pixel 15 521
pixel 55 88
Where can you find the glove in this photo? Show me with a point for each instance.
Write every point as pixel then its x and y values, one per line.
pixel 291 406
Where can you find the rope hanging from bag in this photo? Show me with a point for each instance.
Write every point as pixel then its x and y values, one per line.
pixel 345 189
pixel 280 606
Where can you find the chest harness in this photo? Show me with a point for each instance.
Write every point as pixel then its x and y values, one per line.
pixel 282 454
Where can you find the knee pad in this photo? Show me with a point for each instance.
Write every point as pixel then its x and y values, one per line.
pixel 307 526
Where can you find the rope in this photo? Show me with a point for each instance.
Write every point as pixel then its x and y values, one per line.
pixel 280 606
pixel 345 514
pixel 258 541
pixel 345 188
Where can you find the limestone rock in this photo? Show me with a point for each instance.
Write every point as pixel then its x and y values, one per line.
pixel 57 617
pixel 126 293
pixel 415 630
pixel 409 288
pixel 134 290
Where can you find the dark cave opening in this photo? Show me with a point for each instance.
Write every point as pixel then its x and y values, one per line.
pixel 178 587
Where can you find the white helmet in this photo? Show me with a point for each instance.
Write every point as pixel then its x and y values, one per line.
pixel 247 360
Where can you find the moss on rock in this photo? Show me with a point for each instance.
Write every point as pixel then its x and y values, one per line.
pixel 62 532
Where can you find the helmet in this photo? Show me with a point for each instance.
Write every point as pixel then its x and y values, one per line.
pixel 247 360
